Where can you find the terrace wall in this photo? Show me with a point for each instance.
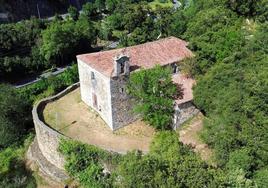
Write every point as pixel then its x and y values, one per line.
pixel 47 138
pixel 183 112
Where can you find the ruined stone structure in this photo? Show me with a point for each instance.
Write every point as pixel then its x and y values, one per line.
pixel 103 77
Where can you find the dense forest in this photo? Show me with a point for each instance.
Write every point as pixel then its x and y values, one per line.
pixel 230 41
pixel 18 10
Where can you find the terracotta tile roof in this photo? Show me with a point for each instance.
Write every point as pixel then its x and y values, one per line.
pixel 186 84
pixel 163 52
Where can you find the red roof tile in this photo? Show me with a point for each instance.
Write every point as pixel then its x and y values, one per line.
pixel 163 52
pixel 186 84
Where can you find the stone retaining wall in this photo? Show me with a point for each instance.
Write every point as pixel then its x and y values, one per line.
pixel 48 138
pixel 183 112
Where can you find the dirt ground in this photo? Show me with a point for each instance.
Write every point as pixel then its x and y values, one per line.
pixel 75 119
pixel 189 135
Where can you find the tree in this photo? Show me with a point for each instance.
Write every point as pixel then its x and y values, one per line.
pixel 154 91
pixel 111 4
pixel 250 8
pixel 14 117
pixel 73 12
pixel 168 164
pixel 89 9
pixel 100 5
pixel 61 41
pixel 233 94
pixel 261 177
pixel 16 44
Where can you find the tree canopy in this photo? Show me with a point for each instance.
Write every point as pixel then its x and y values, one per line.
pixel 14 116
pixel 154 92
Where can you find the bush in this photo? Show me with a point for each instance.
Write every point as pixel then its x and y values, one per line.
pixel 15 116
pixel 166 165
pixel 85 163
pixel 13 171
pixel 50 86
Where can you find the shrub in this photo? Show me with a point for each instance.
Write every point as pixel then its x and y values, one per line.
pixel 14 116
pixel 85 163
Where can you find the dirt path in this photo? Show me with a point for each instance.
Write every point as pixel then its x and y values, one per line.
pixel 189 135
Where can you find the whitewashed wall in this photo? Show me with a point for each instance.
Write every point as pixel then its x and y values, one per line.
pixel 100 86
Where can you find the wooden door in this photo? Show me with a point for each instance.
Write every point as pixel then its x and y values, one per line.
pixel 95 100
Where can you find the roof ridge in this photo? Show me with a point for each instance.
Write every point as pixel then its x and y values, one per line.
pixel 134 46
pixel 164 51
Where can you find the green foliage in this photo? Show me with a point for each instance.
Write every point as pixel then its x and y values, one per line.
pixel 13 172
pixel 230 65
pixel 210 40
pixel 234 96
pixel 250 8
pixel 28 47
pixel 111 4
pixel 50 86
pixel 19 35
pixel 16 41
pixel 85 163
pixel 73 13
pixel 100 5
pixel 241 159
pixel 261 177
pixel 136 22
pixel 155 91
pixel 167 165
pixel 237 178
pixel 14 116
pixel 89 10
pixel 62 41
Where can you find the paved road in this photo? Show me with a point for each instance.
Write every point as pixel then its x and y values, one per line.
pixel 32 80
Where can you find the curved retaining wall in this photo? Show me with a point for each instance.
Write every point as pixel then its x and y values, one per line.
pixel 47 137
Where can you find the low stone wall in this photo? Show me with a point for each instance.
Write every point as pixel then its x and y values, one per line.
pixel 48 138
pixel 183 112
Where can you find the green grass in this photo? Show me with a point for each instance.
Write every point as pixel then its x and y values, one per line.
pixel 156 3
pixel 13 169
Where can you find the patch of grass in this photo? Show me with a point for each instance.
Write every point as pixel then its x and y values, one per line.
pixel 154 4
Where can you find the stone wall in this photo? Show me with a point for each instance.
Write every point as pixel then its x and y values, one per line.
pixel 122 104
pixel 183 112
pixel 48 138
pixel 100 87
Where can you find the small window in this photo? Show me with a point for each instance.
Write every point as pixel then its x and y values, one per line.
pixel 122 68
pixel 174 68
pixel 92 76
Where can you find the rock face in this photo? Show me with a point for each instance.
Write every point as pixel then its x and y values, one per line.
pixel 47 139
